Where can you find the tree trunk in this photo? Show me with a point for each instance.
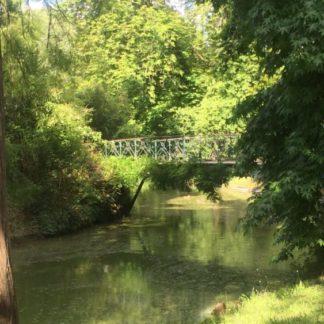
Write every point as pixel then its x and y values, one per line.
pixel 8 306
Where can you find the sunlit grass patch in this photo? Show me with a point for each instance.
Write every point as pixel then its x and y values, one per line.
pixel 300 304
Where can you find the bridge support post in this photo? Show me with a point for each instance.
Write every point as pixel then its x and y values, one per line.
pixel 155 150
pixel 135 148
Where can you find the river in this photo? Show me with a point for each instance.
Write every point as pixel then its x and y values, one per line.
pixel 168 263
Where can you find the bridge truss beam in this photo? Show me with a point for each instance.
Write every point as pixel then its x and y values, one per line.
pixel 217 148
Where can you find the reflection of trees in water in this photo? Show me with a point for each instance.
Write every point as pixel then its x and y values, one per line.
pixel 164 266
pixel 205 236
pixel 134 287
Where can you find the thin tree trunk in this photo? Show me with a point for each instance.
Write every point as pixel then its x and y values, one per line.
pixel 8 306
pixel 49 28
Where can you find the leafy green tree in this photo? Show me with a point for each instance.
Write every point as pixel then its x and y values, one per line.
pixel 223 91
pixel 86 9
pixel 73 188
pixel 222 87
pixel 26 79
pixel 110 114
pixel 183 176
pixel 283 145
pixel 143 51
pixel 56 176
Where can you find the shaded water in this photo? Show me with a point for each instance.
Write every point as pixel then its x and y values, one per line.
pixel 168 263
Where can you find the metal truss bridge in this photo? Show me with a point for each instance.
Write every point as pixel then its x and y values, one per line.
pixel 215 148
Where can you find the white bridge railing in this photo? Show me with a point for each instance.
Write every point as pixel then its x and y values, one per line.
pixel 216 147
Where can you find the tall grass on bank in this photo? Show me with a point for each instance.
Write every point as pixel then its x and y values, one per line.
pixel 301 304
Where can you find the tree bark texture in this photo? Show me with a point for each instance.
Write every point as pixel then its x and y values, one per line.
pixel 8 306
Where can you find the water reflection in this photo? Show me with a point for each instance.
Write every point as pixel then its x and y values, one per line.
pixel 173 258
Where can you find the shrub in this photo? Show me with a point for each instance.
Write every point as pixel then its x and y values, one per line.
pixel 70 186
pixel 206 178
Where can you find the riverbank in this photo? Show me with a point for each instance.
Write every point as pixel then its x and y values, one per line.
pixel 105 199
pixel 302 304
pixel 174 257
pixel 101 195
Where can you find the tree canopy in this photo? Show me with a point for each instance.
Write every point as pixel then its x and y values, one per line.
pixel 283 144
pixel 141 57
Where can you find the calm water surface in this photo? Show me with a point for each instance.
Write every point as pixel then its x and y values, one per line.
pixel 168 263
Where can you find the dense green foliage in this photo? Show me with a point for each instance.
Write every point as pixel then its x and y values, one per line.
pixel 285 121
pixel 137 59
pixel 56 175
pixel 169 175
pixel 222 87
pixel 144 69
pixel 129 171
pixel 185 176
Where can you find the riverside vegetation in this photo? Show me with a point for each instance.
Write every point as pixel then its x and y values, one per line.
pixel 65 96
pixel 79 72
pixel 302 303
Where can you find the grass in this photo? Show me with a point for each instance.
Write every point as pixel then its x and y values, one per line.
pixel 301 304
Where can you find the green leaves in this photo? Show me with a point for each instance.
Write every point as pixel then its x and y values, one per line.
pixel 224 90
pixel 144 52
pixel 183 176
pixel 284 122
